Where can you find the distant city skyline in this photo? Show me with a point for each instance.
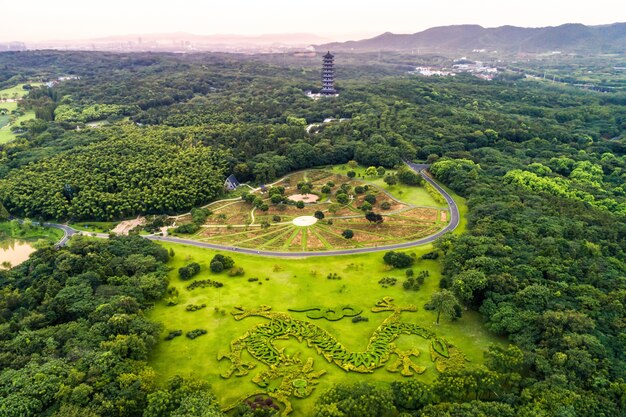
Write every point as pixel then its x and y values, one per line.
pixel 335 20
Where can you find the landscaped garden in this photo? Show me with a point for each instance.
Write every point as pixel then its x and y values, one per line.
pixel 340 207
pixel 289 329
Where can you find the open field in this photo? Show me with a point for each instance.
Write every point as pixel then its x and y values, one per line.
pixel 298 284
pixel 409 213
pixel 13 94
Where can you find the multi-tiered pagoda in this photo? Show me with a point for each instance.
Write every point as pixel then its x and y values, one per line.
pixel 328 76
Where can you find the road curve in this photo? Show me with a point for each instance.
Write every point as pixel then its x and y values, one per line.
pixel 420 168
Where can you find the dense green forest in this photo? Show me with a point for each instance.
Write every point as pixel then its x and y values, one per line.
pixel 543 168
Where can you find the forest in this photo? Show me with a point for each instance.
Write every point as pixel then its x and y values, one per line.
pixel 543 168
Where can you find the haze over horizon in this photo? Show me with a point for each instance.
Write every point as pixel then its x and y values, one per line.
pixel 335 20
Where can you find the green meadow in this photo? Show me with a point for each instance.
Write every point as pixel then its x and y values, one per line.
pixel 296 284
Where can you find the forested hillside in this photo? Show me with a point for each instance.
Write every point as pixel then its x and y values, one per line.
pixel 543 168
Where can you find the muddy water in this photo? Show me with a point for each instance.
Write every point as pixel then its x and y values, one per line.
pixel 14 251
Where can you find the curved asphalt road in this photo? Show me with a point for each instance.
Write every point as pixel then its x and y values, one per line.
pixel 420 168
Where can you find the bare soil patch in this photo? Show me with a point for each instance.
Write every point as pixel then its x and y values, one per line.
pixel 307 198
pixel 127 225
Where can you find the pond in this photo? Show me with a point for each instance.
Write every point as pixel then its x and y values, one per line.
pixel 14 252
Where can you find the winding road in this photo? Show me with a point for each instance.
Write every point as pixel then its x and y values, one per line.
pixel 420 168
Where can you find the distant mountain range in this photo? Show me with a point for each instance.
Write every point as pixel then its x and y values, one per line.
pixel 572 37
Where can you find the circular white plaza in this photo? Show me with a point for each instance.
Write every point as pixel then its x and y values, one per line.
pixel 304 221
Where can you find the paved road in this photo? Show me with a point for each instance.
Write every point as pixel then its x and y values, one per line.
pixel 453 224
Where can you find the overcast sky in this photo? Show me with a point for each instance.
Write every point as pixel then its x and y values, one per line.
pixel 80 19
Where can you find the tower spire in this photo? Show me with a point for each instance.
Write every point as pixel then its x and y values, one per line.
pixel 328 75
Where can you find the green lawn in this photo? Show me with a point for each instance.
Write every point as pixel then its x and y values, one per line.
pixel 408 194
pixel 13 230
pixel 97 227
pixel 15 92
pixel 298 283
pixel 5 132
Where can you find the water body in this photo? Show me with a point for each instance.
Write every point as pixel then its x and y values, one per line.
pixel 14 251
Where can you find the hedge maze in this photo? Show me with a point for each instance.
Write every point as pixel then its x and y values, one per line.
pixel 298 378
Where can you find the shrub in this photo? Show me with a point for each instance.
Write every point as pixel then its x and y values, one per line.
pixel 187 229
pixel 398 259
pixel 348 234
pixel 276 218
pixel 194 307
pixel 173 333
pixel 357 319
pixel 351 174
pixel 342 198
pixel 319 215
pixel 236 272
pixel 333 276
pixel 366 206
pixel 409 273
pixel 189 271
pixel 391 180
pixel 195 333
pixel 326 189
pixel 253 279
pixel 385 205
pixel 374 217
pixel 204 283
pixel 216 266
pixel 199 215
pixel 359 189
pixel 370 198
pixel 387 282
pixel 300 204
pixel 226 261
pixel 431 255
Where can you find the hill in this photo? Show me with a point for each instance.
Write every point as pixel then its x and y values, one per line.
pixel 571 37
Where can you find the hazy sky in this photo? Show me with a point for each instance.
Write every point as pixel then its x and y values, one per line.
pixel 68 19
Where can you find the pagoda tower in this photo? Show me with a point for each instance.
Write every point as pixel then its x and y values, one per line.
pixel 328 76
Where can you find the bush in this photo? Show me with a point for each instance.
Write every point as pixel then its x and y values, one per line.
pixel 253 279
pixel 326 189
pixel 365 206
pixel 431 255
pixel 398 259
pixel 195 333
pixel 236 272
pixel 226 261
pixel 276 218
pixel 187 229
pixel 300 204
pixel 319 215
pixel 348 234
pixel 189 271
pixel 359 189
pixel 409 273
pixel 357 319
pixel 216 266
pixel 204 283
pixel 387 282
pixel 199 215
pixel 173 333
pixel 333 276
pixel 370 198
pixel 194 307
pixel 374 217
pixel 342 198
pixel 351 174
pixel 385 205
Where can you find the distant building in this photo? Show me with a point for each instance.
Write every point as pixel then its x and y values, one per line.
pixel 328 76
pixel 231 183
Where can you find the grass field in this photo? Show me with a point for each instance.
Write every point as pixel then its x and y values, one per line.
pixel 13 93
pixel 12 230
pixel 298 283
pixel 96 227
pixel 410 213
